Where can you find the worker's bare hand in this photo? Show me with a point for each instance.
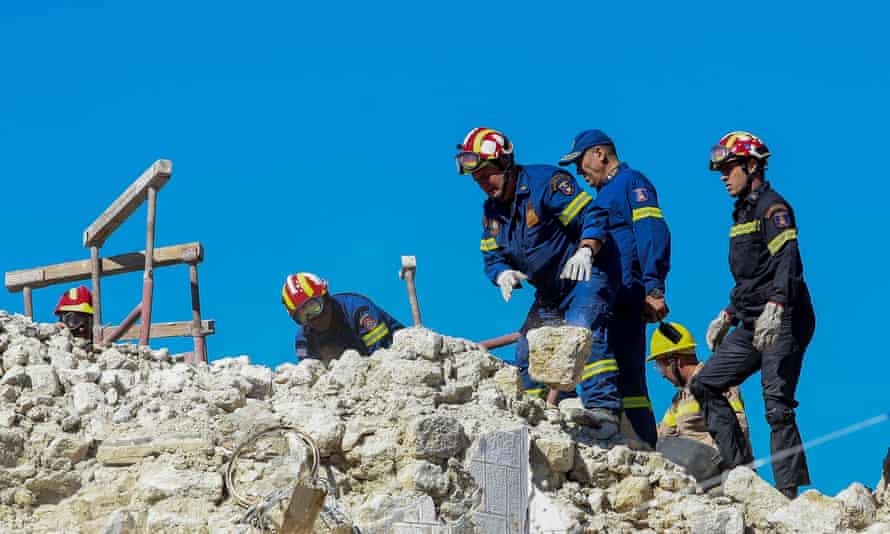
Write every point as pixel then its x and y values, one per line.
pixel 656 309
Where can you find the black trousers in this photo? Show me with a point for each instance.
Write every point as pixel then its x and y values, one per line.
pixel 735 360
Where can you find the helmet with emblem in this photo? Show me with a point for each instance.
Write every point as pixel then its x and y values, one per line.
pixel 481 147
pixel 303 295
pixel 736 146
pixel 76 299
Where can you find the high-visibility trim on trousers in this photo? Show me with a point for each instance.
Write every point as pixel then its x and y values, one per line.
pixel 602 366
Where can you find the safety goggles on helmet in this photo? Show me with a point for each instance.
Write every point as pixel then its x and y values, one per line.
pixel 310 309
pixel 470 162
pixel 720 155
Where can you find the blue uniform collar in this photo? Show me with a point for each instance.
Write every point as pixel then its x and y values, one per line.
pixel 621 168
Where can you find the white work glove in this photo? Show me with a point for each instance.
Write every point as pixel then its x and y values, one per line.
pixel 579 265
pixel 766 327
pixel 717 329
pixel 508 281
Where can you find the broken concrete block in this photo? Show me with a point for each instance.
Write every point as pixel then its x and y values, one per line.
pixel 436 438
pixel 557 355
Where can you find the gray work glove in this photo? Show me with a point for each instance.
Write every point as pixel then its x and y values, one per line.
pixel 508 281
pixel 717 329
pixel 766 327
pixel 579 266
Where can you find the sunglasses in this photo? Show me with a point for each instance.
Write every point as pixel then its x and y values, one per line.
pixel 469 162
pixel 311 309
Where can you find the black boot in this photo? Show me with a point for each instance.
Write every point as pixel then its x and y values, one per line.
pixel 790 492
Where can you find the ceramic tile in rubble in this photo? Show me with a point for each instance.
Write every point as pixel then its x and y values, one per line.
pixel 431 435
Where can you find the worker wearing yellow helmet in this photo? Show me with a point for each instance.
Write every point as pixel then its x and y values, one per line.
pixel 682 430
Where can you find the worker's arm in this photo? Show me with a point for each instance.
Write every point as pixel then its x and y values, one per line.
pixel 780 233
pixel 574 208
pixel 301 346
pixel 375 327
pixel 651 234
pixel 668 425
pixel 493 261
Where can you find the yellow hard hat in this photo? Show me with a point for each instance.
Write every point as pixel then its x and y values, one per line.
pixel 660 345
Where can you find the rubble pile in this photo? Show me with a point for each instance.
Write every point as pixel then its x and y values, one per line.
pixel 431 435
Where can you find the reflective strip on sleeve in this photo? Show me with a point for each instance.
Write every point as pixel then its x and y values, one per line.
pixel 574 207
pixel 743 229
pixel 535 392
pixel 669 419
pixel 648 212
pixel 779 241
pixel 690 407
pixel 636 402
pixel 375 335
pixel 602 366
pixel 737 405
pixel 488 245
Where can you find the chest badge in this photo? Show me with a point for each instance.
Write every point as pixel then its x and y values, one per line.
pixel 531 218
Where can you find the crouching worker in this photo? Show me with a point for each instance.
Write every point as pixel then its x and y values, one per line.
pixel 330 324
pixel 75 311
pixel 682 435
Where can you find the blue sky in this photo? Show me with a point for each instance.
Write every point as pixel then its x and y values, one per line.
pixel 307 137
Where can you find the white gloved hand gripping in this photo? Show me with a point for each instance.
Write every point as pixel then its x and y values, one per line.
pixel 579 266
pixel 508 281
pixel 766 327
pixel 717 329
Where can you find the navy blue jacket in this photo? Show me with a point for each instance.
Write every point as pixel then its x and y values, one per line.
pixel 637 226
pixel 357 324
pixel 541 229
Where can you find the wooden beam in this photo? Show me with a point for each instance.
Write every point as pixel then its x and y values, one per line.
pixel 178 329
pixel 154 177
pixel 74 271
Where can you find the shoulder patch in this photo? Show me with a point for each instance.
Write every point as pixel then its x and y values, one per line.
pixel 641 194
pixel 493 227
pixel 563 184
pixel 774 208
pixel 367 322
pixel 782 219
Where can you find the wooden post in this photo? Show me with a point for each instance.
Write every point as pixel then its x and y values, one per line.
pixel 148 276
pixel 95 271
pixel 29 309
pixel 200 354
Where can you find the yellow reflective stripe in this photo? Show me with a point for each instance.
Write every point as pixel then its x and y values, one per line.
pixel 480 137
pixel 690 407
pixel 287 300
pixel 642 213
pixel 669 419
pixel 602 366
pixel 636 402
pixel 779 241
pixel 307 288
pixel 737 405
pixel 743 229
pixel 488 244
pixel 574 207
pixel 535 392
pixel 375 335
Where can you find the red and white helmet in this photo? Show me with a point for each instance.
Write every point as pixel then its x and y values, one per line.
pixel 76 299
pixel 738 145
pixel 482 146
pixel 301 287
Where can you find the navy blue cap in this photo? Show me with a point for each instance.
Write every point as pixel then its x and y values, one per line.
pixel 583 141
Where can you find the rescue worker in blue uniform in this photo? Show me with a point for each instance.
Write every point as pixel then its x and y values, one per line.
pixel 770 308
pixel 637 226
pixel 330 324
pixel 532 231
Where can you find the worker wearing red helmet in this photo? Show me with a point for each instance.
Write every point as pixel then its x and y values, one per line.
pixel 534 230
pixel 75 310
pixel 330 324
pixel 770 308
